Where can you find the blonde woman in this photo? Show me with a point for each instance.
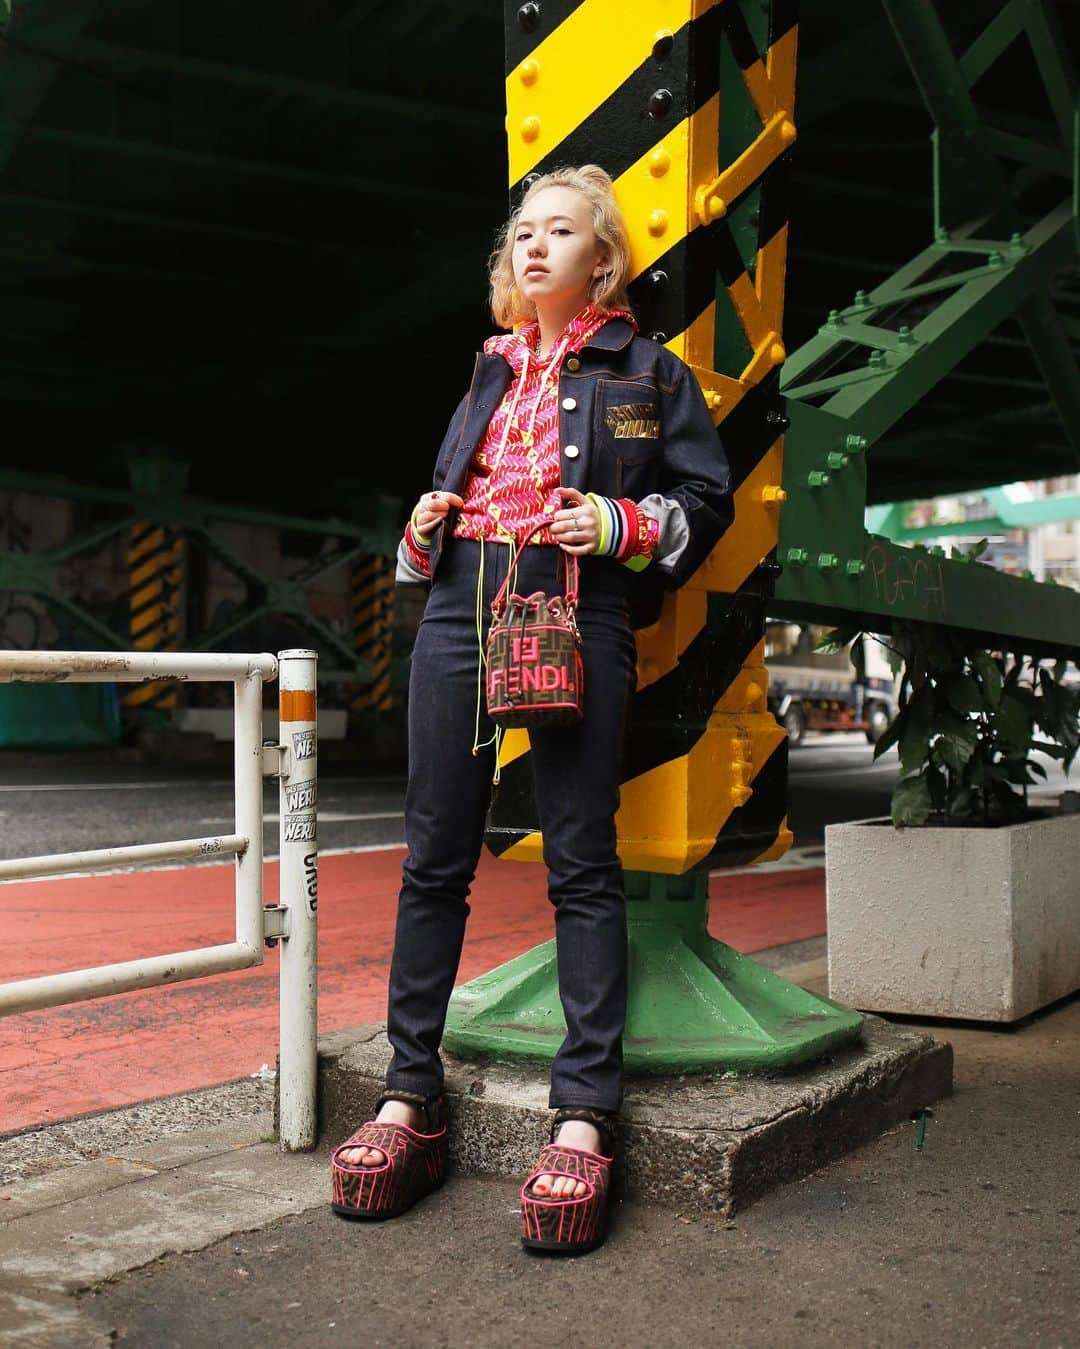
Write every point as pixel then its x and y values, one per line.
pixel 574 421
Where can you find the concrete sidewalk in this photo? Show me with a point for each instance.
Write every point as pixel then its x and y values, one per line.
pixel 180 1223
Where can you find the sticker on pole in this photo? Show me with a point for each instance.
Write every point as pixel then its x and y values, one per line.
pixel 302 796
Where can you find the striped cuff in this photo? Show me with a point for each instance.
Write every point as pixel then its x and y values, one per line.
pixel 627 533
pixel 419 548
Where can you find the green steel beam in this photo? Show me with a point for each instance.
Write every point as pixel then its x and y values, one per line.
pixel 946 83
pixel 875 396
pixel 992 524
pixel 25 76
pixel 196 513
pixel 1051 53
pixel 833 570
pixel 1005 515
pixel 997 609
pixel 969 181
pixel 992 42
pixel 1053 354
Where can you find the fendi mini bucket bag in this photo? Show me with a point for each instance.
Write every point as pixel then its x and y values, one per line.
pixel 533 661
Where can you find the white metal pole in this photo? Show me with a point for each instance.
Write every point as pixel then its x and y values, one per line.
pixel 248 786
pixel 299 882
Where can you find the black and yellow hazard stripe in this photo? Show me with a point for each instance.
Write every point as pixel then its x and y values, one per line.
pixel 371 580
pixel 706 767
pixel 155 558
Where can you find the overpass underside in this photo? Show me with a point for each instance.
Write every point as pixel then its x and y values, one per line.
pixel 242 256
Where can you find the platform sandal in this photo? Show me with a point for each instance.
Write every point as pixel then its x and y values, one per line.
pixel 570 1226
pixel 414 1165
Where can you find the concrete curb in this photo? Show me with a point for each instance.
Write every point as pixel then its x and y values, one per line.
pixel 708 1144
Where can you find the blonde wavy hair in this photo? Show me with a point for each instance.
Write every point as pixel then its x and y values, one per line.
pixel 508 307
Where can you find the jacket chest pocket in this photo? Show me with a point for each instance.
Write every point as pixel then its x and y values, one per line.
pixel 627 431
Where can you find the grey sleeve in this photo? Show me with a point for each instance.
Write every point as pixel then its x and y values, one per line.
pixel 407 573
pixel 674 529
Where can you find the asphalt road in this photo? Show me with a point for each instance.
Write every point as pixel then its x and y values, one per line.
pixel 969 1241
pixel 70 802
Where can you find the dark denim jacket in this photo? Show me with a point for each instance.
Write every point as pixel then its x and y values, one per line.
pixel 640 426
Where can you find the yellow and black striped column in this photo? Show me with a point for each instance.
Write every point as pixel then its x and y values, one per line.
pixel 155 557
pixel 371 579
pixel 639 93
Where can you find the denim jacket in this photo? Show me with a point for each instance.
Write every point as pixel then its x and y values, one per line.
pixel 639 427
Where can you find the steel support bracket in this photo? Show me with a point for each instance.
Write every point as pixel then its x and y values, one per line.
pixel 275 923
pixel 273 760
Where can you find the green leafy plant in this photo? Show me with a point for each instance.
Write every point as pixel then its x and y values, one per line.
pixel 969 721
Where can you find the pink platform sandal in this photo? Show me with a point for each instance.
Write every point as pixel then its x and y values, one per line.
pixel 570 1226
pixel 415 1162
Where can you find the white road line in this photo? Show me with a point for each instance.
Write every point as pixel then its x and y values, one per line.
pixel 795 859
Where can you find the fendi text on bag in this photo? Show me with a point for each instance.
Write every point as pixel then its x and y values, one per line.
pixel 534 673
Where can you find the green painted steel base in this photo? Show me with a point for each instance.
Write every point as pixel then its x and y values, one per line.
pixel 695 1004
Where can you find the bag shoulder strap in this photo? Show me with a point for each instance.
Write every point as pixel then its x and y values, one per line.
pixel 498 604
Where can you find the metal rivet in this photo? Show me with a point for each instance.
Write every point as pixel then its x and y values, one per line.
pixel 658 337
pixel 529 72
pixel 660 103
pixel 573 364
pixel 528 17
pixel 658 223
pixel 663 43
pixel 659 162
pixel 657 277
pixel 530 128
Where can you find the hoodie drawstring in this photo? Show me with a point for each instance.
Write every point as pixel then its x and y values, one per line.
pixel 481 658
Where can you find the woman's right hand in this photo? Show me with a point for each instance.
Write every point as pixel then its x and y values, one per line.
pixel 432 508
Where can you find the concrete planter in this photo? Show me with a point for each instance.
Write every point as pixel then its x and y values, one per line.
pixel 979 924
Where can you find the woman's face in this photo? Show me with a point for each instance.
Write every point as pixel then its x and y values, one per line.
pixel 556 254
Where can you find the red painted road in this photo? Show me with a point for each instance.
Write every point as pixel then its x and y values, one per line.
pixel 138 1046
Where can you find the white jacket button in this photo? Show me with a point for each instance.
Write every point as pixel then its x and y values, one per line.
pixel 569 404
pixel 571 451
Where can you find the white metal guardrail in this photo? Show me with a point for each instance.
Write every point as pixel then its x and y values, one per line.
pixel 292 921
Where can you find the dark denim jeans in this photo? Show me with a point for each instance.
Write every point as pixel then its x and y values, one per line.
pixel 576 776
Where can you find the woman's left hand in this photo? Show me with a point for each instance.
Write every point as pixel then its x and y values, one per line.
pixel 576 528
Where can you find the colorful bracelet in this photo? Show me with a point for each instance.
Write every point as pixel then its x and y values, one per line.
pixel 627 533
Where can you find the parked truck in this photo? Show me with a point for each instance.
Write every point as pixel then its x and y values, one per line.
pixel 814 691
